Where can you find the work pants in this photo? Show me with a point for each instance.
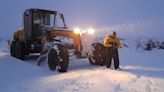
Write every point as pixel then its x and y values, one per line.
pixel 112 53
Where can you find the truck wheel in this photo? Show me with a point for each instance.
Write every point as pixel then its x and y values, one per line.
pixel 12 49
pixel 78 54
pixel 98 55
pixel 92 61
pixel 19 50
pixel 63 59
pixel 96 59
pixel 52 59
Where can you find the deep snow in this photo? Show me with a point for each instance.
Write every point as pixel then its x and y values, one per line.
pixel 142 72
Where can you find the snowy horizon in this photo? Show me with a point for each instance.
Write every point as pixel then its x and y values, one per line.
pixel 141 72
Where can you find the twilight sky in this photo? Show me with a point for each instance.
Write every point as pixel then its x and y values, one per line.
pixel 129 17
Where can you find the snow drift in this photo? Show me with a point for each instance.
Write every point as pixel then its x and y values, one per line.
pixel 142 72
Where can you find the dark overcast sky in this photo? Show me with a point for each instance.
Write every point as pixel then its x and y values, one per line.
pixel 88 13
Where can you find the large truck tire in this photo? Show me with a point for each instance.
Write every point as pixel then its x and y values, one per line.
pixel 52 59
pixel 98 55
pixel 12 49
pixel 63 59
pixel 92 61
pixel 17 49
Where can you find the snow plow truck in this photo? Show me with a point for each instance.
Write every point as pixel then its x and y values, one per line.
pixel 45 26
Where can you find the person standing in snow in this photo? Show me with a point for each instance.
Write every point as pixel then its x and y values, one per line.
pixel 112 43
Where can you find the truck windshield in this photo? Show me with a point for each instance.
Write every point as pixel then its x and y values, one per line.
pixel 48 19
pixel 43 18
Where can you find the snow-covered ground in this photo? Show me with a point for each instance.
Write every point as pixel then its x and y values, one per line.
pixel 141 72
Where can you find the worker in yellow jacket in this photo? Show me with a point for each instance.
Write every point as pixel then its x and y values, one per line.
pixel 112 43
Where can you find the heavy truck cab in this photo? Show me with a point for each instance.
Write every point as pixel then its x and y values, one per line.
pixel 38 24
pixel 42 26
pixel 36 19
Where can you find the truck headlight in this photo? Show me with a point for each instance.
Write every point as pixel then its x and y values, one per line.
pixel 77 30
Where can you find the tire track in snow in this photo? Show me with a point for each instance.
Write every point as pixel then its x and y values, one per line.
pixel 117 88
pixel 135 79
pixel 151 86
pixel 73 85
pixel 148 84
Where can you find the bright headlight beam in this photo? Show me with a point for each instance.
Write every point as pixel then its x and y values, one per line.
pixel 84 31
pixel 90 31
pixel 77 30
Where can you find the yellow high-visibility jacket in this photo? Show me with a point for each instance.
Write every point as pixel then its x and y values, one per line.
pixel 109 40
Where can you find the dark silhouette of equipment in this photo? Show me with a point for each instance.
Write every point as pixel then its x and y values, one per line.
pixel 41 26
